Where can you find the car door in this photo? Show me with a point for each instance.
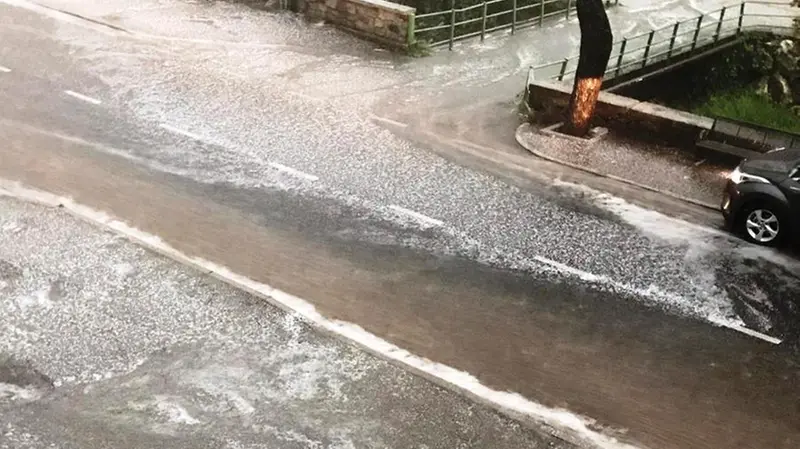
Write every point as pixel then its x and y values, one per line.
pixel 792 190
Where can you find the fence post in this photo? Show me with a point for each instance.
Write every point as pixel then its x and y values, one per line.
pixel 621 54
pixel 741 18
pixel 541 13
pixel 514 17
pixel 483 22
pixel 697 32
pixel 563 69
pixel 452 22
pixel 719 24
pixel 672 39
pixel 569 6
pixel 647 49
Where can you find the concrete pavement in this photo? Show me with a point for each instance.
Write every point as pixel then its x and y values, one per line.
pixel 263 158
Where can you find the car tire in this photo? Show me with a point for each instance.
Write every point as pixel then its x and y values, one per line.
pixel 762 224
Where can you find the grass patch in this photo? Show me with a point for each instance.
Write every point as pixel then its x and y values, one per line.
pixel 748 106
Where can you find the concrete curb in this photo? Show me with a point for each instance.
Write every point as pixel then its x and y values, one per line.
pixel 526 128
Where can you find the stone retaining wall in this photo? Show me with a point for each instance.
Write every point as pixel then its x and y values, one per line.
pixel 380 21
pixel 628 115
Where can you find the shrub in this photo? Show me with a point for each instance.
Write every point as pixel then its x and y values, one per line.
pixel 746 105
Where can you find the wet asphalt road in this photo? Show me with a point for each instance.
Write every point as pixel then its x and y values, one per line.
pixel 115 347
pixel 240 126
pixel 571 298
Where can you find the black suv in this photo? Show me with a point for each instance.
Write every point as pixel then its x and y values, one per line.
pixel 762 198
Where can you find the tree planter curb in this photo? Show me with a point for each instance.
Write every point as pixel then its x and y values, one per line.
pixel 527 128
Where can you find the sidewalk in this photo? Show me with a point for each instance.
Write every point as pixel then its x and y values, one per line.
pixel 665 170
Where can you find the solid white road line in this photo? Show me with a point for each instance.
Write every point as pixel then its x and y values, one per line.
pixel 175 130
pixel 416 215
pixel 82 97
pixel 4 69
pixel 293 171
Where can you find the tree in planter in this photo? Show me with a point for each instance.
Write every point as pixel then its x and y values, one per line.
pixel 596 42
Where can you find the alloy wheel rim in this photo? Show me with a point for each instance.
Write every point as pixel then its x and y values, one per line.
pixel 762 225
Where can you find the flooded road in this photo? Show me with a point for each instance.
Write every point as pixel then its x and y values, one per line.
pixel 573 299
pixel 114 346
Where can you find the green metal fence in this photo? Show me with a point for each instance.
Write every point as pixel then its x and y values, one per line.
pixel 482 17
pixel 636 52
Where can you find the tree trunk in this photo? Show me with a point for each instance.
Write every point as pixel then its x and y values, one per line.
pixel 596 42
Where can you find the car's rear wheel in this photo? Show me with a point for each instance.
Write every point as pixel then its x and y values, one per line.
pixel 762 225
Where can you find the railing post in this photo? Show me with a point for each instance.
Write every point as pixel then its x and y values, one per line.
pixel 647 48
pixel 483 22
pixel 719 24
pixel 452 22
pixel 621 54
pixel 569 6
pixel 563 69
pixel 541 12
pixel 741 18
pixel 697 32
pixel 672 39
pixel 514 17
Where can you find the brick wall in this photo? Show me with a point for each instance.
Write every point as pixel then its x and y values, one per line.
pixel 380 21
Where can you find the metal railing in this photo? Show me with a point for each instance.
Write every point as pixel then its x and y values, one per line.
pixel 455 24
pixel 750 135
pixel 637 52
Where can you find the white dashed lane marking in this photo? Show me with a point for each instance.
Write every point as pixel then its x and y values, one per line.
pixel 591 277
pixel 4 69
pixel 304 96
pixel 417 216
pixel 175 130
pixel 389 121
pixel 752 333
pixel 82 97
pixel 293 171
pixel 564 268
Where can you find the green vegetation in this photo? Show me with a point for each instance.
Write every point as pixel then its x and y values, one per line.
pixel 419 49
pixel 755 81
pixel 747 105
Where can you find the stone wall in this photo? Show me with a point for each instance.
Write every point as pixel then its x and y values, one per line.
pixel 380 21
pixel 627 115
